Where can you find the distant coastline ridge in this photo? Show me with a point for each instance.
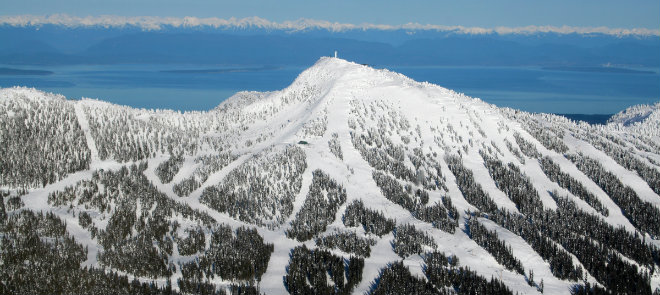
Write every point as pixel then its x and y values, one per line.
pixel 12 71
pixel 603 69
pixel 227 70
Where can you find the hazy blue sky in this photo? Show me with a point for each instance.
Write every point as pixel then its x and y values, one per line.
pixel 486 13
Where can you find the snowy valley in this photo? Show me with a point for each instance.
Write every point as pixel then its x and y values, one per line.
pixel 352 180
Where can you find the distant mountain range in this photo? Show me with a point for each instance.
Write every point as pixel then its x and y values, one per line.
pixel 54 44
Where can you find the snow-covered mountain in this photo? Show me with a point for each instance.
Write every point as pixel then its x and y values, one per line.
pixel 351 180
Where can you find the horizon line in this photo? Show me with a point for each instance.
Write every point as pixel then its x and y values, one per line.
pixel 155 23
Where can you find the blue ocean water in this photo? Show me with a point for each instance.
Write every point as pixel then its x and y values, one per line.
pixel 548 91
pixel 177 87
pixel 187 87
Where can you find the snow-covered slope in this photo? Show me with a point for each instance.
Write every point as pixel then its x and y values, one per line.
pixel 634 114
pixel 639 119
pixel 350 169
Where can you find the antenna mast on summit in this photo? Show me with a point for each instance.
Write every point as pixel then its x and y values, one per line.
pixel 335 53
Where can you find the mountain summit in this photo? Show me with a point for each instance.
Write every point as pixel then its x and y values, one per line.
pixel 351 180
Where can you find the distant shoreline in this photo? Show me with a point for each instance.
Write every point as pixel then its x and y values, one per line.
pixel 600 119
pixel 218 71
pixel 11 71
pixel 599 70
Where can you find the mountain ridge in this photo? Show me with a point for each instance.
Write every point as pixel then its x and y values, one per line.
pixel 158 23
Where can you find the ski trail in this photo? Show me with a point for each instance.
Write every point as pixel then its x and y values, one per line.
pixel 37 201
pixel 84 125
pixel 193 200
